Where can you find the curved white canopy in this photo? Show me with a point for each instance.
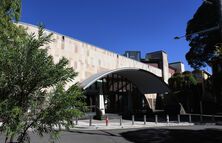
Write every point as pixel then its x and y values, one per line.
pixel 145 81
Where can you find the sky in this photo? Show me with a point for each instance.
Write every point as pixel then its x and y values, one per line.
pixel 118 25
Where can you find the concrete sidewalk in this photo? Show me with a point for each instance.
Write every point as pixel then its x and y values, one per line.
pixel 126 124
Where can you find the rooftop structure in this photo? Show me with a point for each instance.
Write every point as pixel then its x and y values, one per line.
pixel 158 59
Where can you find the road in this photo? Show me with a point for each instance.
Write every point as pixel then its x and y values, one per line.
pixel 189 134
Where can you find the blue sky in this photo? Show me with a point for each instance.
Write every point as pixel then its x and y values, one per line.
pixel 118 25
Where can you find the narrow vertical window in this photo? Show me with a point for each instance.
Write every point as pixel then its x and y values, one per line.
pixel 63 44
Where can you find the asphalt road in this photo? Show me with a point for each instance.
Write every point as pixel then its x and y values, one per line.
pixel 190 134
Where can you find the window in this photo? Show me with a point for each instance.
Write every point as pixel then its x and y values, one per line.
pixel 63 45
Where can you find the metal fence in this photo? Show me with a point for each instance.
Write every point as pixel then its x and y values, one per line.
pixel 155 118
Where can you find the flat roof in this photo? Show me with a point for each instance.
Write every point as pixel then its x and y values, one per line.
pixel 161 51
pixel 176 63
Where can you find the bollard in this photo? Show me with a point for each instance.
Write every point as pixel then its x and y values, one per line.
pixel 144 119
pixel 90 121
pixel 178 118
pixel 168 119
pixel 107 121
pixel 213 118
pixel 190 118
pixel 156 119
pixel 77 120
pixel 201 118
pixel 133 119
pixel 120 121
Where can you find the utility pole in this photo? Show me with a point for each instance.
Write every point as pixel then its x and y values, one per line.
pixel 203 94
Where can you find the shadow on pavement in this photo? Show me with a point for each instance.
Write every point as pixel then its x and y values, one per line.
pixel 174 136
pixel 96 132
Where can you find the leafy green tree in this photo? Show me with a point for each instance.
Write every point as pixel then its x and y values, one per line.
pixel 10 10
pixel 206 46
pixel 183 87
pixel 202 45
pixel 9 13
pixel 32 87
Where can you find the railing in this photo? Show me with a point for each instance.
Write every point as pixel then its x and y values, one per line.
pixel 180 118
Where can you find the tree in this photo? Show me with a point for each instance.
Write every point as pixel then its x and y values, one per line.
pixel 32 89
pixel 10 10
pixel 183 86
pixel 32 86
pixel 9 13
pixel 202 45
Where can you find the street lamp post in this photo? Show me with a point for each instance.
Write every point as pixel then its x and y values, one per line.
pixel 199 32
pixel 218 27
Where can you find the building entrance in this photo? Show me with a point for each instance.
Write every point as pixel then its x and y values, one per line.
pixel 120 95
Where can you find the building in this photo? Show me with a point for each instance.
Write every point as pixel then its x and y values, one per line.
pixel 158 59
pixel 113 83
pixel 178 66
pixel 201 75
pixel 136 55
